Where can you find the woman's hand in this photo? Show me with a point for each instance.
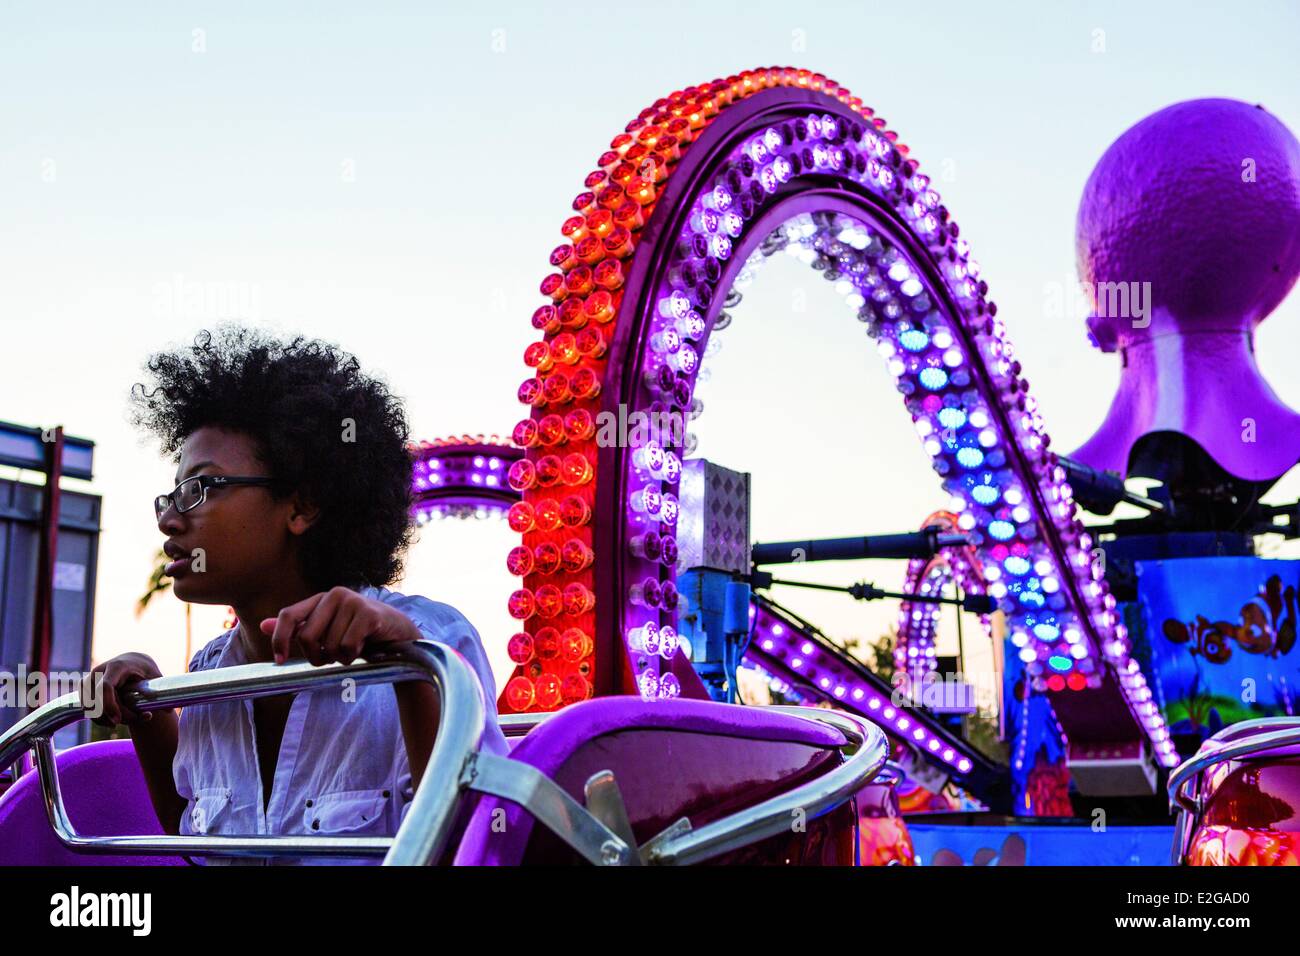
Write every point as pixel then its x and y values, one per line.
pixel 334 626
pixel 113 676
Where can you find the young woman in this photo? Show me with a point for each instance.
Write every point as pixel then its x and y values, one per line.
pixel 292 505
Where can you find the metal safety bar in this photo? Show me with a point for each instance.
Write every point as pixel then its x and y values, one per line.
pixel 1184 782
pixel 773 816
pixel 424 832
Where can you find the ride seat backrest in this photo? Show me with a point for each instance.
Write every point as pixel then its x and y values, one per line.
pixel 105 794
pixel 698 759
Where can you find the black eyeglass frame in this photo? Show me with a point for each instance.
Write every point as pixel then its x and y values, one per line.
pixel 205 482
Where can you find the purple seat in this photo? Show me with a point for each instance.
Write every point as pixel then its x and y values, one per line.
pixel 105 794
pixel 698 759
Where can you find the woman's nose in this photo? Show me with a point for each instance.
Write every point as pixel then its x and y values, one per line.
pixel 170 520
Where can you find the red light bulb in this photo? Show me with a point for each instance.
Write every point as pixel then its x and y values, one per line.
pixel 547 643
pixel 629 216
pixel 590 250
pixel 578 599
pixel 553 287
pixel 522 475
pixel 546 318
pixel 547 514
pixel 574 644
pixel 562 257
pixel 519 561
pixel 585 384
pixel 571 314
pixel 576 469
pixel 548 470
pixel 548 691
pixel 525 433
pixel 521 517
pixel 549 601
pixel 575 512
pixel 564 347
pixel 600 222
pixel 522 604
pixel 520 694
pixel 550 429
pixel 591 342
pixel 530 391
pixel 576 556
pixel 546 558
pixel 599 306
pixel 520 648
pixel 538 356
pixel 556 389
pixel 579 425
pixel 575 688
pixel 579 280
pixel 609 274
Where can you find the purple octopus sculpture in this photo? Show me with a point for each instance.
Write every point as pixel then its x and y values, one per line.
pixel 1188 237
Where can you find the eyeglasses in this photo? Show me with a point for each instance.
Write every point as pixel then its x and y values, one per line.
pixel 192 492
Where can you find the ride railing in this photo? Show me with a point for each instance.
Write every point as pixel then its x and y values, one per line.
pixel 1240 741
pixel 599 831
pixel 427 826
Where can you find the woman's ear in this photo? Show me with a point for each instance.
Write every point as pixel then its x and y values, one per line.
pixel 302 514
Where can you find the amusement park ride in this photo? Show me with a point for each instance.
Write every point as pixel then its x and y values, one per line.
pixel 642 598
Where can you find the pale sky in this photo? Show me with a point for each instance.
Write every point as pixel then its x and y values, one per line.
pixel 391 177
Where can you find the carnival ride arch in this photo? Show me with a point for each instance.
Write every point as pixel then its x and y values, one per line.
pixel 918 622
pixel 698 182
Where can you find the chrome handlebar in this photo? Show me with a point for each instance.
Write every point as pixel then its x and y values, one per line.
pixel 1286 733
pixel 420 839
pixel 1182 786
pixel 773 815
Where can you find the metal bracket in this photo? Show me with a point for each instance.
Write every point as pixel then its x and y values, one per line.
pixel 671 832
pixel 605 803
pixel 550 805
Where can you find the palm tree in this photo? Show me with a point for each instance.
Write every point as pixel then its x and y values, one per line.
pixel 158 583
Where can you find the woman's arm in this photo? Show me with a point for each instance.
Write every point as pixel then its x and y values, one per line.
pixel 417 703
pixel 154 733
pixel 155 747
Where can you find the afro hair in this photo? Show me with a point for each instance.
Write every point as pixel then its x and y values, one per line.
pixel 323 428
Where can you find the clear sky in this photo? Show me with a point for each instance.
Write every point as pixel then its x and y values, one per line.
pixel 391 177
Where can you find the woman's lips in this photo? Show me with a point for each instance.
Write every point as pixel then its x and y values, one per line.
pixel 180 565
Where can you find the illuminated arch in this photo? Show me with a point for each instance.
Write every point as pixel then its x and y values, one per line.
pixel 918 622
pixel 666 223
pixel 463 477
